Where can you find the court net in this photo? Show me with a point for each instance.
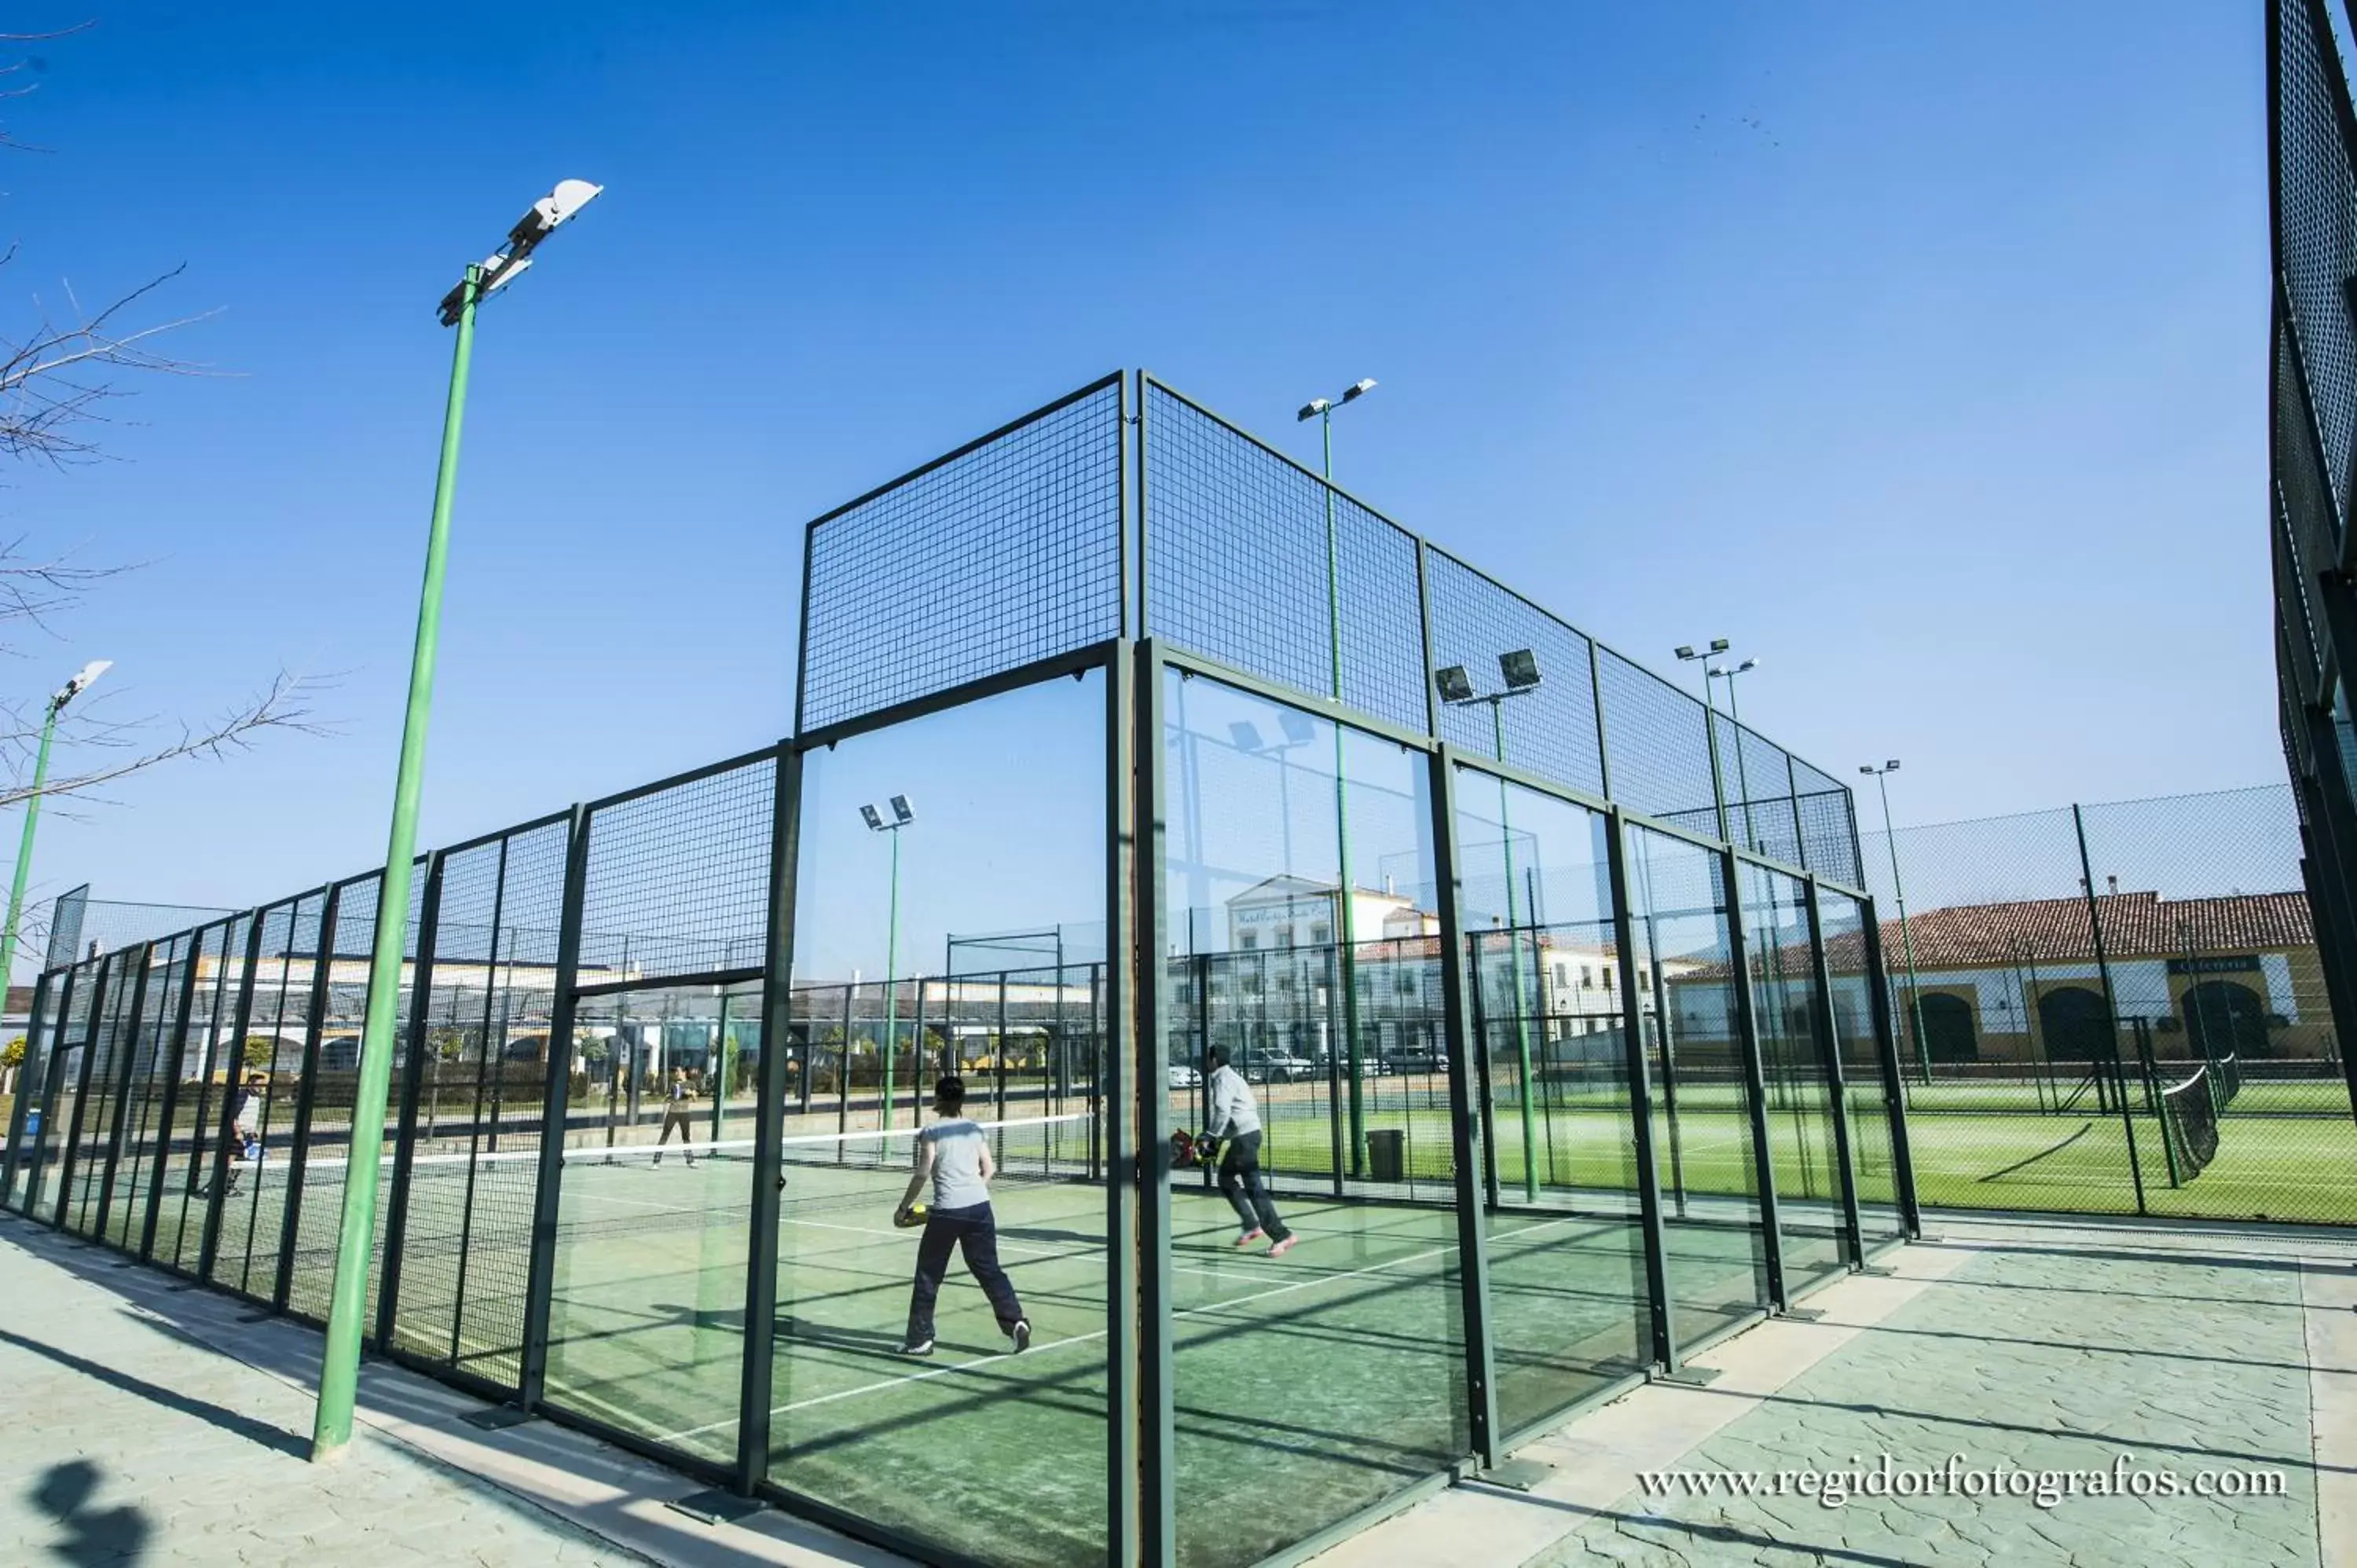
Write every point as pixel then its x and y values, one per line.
pixel 2189 1116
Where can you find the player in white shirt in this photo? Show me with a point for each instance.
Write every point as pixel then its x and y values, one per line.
pixel 1235 1122
pixel 953 1160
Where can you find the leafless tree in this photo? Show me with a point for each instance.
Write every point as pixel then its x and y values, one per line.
pixel 56 379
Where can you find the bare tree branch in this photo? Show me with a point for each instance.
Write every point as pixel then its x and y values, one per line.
pixel 282 705
pixel 54 378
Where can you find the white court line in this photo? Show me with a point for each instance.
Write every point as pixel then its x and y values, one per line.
pixel 932 1372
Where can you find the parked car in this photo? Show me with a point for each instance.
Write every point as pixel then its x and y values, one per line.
pixel 1185 1077
pixel 1283 1069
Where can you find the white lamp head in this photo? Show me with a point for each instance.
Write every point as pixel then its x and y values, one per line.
pixel 81 683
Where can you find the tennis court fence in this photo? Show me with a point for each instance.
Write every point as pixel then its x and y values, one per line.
pixel 2121 1008
pixel 1559 991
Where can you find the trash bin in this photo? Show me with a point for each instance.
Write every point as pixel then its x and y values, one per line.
pixel 1387 1155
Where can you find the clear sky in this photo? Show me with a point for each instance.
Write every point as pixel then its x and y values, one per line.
pixel 1920 350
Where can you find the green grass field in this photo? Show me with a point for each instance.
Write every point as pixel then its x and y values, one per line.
pixel 2286 1151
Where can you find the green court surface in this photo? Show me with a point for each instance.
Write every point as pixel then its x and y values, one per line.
pixel 1305 1387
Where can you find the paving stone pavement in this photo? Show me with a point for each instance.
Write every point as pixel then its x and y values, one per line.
pixel 126 1442
pixel 2030 1345
pixel 147 1422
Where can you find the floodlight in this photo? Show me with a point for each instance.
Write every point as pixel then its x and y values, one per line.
pixel 81 683
pixel 1719 645
pixel 1684 651
pixel 1297 728
pixel 559 205
pixel 1520 668
pixel 1247 737
pixel 1359 390
pixel 1867 768
pixel 873 820
pixel 501 271
pixel 1747 664
pixel 1456 686
pixel 901 810
pixel 1892 765
pixel 1313 408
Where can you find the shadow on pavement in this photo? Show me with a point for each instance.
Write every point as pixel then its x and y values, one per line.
pixel 229 1421
pixel 93 1535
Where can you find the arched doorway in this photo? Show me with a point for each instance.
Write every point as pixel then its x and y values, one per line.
pixel 2225 1017
pixel 1948 1035
pixel 2075 1026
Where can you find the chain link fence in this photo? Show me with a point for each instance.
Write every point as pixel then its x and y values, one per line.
pixel 2118 1009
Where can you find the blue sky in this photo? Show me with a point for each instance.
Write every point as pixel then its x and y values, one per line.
pixel 1920 350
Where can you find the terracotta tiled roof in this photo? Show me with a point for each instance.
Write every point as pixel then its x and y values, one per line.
pixel 2136 925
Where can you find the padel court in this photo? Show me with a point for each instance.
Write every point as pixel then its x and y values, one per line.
pixel 1558 989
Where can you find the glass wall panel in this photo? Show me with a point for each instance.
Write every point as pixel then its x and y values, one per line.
pixel 1799 1090
pixel 647 1308
pixel 1317 1381
pixel 987 844
pixel 1842 923
pixel 1712 1232
pixel 1566 1247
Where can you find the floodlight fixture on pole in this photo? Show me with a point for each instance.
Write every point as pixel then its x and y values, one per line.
pixel 1906 936
pixel 1685 650
pixel 65 694
pixel 1519 669
pixel 902 815
pixel 1346 924
pixel 332 1428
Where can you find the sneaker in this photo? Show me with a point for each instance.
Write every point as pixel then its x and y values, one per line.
pixel 1021 1335
pixel 1282 1248
pixel 1251 1236
pixel 916 1348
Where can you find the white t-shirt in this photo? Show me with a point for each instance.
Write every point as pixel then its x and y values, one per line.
pixel 957 1147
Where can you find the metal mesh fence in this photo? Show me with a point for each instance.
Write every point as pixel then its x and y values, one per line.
pixel 1658 741
pixel 1254 562
pixel 678 879
pixel 1004 553
pixel 1550 732
pixel 2045 1018
pixel 2316 245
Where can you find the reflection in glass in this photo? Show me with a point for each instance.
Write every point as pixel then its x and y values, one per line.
pixel 1843 922
pixel 1712 1232
pixel 994 930
pixel 1800 1146
pixel 1311 1385
pixel 1567 1248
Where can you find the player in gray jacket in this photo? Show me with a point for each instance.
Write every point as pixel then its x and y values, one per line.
pixel 1235 1122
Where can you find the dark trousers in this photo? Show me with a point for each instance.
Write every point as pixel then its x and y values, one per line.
pixel 678 1116
pixel 1239 1179
pixel 974 1232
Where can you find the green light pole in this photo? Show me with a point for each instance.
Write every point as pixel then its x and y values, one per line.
pixel 1345 915
pixel 902 815
pixel 1521 672
pixel 1906 936
pixel 332 1430
pixel 66 693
